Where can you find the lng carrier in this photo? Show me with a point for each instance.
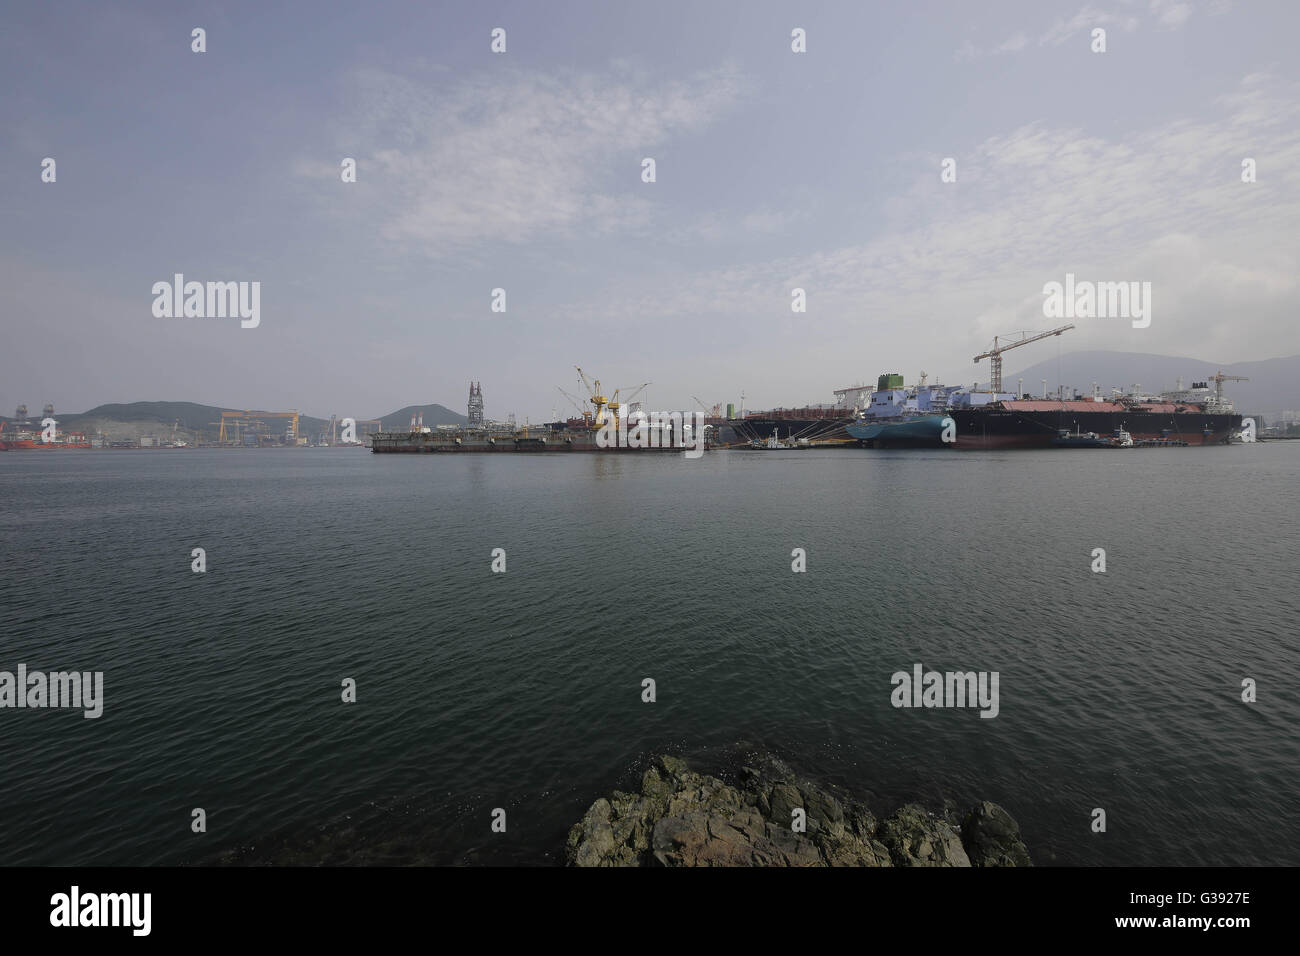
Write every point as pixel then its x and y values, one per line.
pixel 952 416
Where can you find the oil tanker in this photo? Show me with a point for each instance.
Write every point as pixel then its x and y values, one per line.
pixel 1195 416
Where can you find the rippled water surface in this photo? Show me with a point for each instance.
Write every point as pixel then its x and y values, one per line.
pixel 523 690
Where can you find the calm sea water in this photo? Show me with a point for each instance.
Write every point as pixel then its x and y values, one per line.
pixel 523 690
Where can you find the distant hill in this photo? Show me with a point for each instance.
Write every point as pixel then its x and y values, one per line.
pixel 199 422
pixel 158 418
pixel 192 416
pixel 433 415
pixel 1274 384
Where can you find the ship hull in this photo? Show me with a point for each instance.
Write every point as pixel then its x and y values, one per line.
pixel 995 428
pixel 763 427
pixel 924 431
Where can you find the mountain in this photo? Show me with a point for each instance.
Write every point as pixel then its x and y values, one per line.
pixel 157 418
pixel 201 422
pixel 1274 384
pixel 433 415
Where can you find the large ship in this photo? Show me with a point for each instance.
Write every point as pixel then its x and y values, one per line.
pixel 898 416
pixel 22 439
pixel 22 434
pixel 820 424
pixel 1196 416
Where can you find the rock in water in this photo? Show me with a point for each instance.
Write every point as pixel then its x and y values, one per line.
pixel 684 818
pixel 915 838
pixel 992 837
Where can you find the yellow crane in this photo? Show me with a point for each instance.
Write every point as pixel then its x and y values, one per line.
pixel 633 394
pixel 583 413
pixel 245 418
pixel 597 399
pixel 995 354
pixel 714 412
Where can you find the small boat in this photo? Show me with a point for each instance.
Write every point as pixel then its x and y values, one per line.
pixel 773 443
pixel 1120 439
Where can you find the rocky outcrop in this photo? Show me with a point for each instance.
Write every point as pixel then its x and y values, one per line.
pixel 992 837
pixel 684 818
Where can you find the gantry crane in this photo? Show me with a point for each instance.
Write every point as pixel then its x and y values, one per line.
pixel 246 418
pixel 995 354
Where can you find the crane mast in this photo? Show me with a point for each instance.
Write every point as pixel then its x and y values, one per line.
pixel 1218 381
pixel 994 355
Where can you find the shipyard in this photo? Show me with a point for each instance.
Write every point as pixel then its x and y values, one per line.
pixel 667 434
pixel 892 415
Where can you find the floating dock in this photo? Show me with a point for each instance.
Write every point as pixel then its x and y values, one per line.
pixel 465 441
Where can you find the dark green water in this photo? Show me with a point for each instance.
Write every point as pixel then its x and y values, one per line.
pixel 523 690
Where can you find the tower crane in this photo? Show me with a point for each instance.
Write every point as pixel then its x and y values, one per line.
pixel 1218 381
pixel 995 354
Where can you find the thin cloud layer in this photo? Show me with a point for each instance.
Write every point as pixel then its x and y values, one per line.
pixel 514 158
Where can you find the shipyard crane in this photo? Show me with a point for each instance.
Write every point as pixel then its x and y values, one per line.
pixel 597 399
pixel 615 405
pixel 995 354
pixel 1218 381
pixel 576 403
pixel 715 411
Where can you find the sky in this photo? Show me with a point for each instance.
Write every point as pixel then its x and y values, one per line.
pixel 523 171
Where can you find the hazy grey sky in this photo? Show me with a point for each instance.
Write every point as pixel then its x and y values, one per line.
pixel 522 171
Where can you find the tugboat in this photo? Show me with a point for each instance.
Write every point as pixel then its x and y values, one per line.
pixel 1119 439
pixel 1079 440
pixel 773 443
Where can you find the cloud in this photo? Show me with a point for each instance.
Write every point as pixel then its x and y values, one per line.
pixel 1087 18
pixel 966 261
pixel 1167 14
pixel 1171 13
pixel 1012 44
pixel 512 156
